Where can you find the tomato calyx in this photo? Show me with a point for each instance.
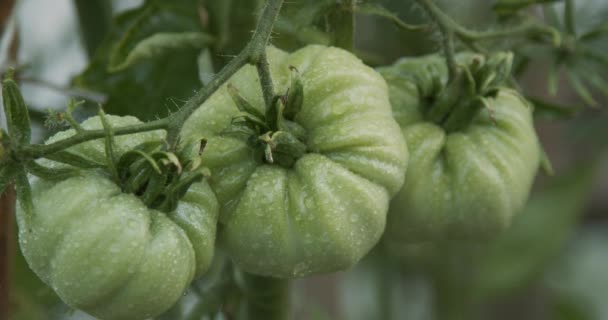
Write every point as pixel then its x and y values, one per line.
pixel 158 177
pixel 274 133
pixel 454 105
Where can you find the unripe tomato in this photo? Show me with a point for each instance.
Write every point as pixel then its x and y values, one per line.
pixel 104 251
pixel 327 210
pixel 461 184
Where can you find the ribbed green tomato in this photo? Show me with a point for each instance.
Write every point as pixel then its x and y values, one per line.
pixel 326 211
pixel 463 184
pixel 104 251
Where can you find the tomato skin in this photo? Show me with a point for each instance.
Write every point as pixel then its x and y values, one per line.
pixel 326 212
pixel 104 251
pixel 466 184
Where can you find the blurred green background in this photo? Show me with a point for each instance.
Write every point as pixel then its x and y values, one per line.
pixel 551 264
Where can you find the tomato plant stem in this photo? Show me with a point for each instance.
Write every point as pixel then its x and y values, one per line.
pixel 447 34
pixel 266 80
pixel 253 53
pixel 450 29
pixel 37 150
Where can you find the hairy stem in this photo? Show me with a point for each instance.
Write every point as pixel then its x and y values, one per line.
pixel 40 150
pixel 253 53
pixel 447 34
pixel 266 80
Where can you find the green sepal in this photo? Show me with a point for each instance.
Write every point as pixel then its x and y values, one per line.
pixel 178 189
pixel 109 145
pixel 239 129
pixel 242 104
pixel 138 179
pixel 447 98
pixel 494 72
pixel 155 187
pixel 50 173
pixel 251 119
pixel 463 114
pixel 168 158
pixel 74 159
pixel 274 114
pixel 294 97
pixel 17 116
pixel 24 196
pixel 294 128
pixel 282 147
pixel 130 157
pixel 287 143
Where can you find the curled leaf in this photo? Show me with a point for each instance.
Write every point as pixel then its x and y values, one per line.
pixel 158 45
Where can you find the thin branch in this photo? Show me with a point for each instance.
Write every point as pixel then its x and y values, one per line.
pixel 266 80
pixel 40 150
pixel 469 37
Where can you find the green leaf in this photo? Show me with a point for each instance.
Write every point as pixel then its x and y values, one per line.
pixel 597 32
pixel 580 89
pixel 17 117
pixel 24 196
pixel 146 88
pixel 159 45
pixel 552 111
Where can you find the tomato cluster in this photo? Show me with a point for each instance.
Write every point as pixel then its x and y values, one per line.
pixel 297 188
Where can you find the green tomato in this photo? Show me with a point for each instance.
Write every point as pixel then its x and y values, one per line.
pixel 463 184
pixel 327 210
pixel 104 251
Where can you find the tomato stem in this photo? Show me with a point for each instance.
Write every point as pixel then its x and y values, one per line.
pixel 253 53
